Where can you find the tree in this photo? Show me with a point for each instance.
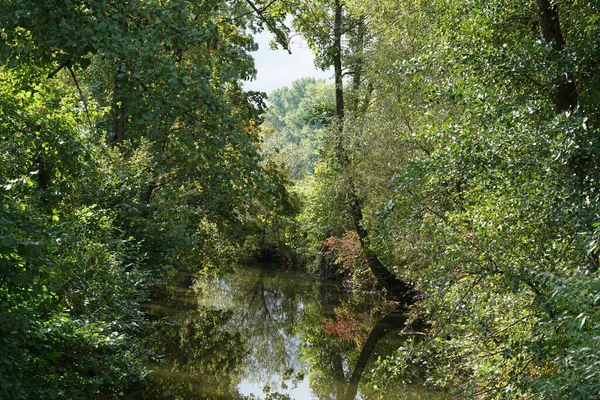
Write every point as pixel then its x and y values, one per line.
pixel 324 24
pixel 288 139
pixel 489 137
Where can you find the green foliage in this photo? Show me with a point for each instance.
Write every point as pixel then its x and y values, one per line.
pixel 568 340
pixel 288 139
pixel 474 183
pixel 323 215
pixel 269 222
pixel 128 149
pixel 68 303
pixel 490 202
pixel 291 148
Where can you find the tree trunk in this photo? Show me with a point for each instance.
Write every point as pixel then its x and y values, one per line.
pixel 337 65
pixel 118 105
pixel 566 95
pixel 403 291
pixel 390 282
pixel 43 175
pixel 146 194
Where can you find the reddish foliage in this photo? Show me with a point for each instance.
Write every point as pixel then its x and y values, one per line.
pixel 349 324
pixel 347 251
pixel 348 256
pixel 343 329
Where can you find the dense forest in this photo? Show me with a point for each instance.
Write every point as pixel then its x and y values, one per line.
pixel 452 164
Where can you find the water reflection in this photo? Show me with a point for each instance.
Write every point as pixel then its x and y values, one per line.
pixel 266 334
pixel 268 308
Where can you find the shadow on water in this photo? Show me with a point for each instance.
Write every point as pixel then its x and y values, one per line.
pixel 260 333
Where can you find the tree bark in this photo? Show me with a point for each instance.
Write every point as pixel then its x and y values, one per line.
pixel 337 64
pixel 118 105
pixel 146 194
pixel 43 175
pixel 566 95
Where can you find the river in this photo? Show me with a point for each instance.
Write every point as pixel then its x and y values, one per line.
pixel 264 333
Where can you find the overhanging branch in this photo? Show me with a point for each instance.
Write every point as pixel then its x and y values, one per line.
pixel 281 39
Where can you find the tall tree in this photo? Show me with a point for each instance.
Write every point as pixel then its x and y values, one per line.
pixel 324 24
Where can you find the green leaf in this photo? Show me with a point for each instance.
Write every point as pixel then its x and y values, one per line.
pixel 7 241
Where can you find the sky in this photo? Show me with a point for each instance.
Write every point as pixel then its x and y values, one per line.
pixel 278 68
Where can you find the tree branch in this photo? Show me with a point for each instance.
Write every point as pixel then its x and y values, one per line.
pixel 59 68
pixel 274 29
pixel 85 106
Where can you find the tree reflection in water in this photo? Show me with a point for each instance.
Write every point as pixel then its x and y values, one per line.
pixel 268 309
pixel 261 333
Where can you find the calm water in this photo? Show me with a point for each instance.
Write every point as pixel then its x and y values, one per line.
pixel 266 334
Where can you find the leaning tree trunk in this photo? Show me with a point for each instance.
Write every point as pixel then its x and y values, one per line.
pixel 402 290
